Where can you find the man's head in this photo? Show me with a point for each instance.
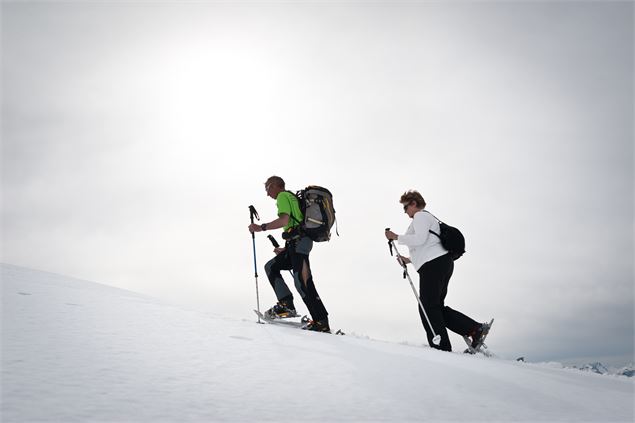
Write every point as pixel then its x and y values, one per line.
pixel 274 186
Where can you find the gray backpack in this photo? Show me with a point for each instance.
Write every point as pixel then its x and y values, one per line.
pixel 316 204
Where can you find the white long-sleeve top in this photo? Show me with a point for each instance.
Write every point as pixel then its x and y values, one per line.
pixel 423 245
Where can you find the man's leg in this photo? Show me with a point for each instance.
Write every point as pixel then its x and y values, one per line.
pixel 304 279
pixel 273 270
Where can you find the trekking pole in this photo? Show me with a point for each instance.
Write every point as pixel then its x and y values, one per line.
pixel 253 213
pixel 276 245
pixel 436 339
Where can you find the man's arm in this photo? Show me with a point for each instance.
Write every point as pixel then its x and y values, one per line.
pixel 280 222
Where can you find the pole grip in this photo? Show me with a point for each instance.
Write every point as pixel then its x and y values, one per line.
pixel 253 213
pixel 389 243
pixel 273 241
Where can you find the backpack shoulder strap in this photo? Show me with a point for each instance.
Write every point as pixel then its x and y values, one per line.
pixel 432 215
pixel 291 207
pixel 430 230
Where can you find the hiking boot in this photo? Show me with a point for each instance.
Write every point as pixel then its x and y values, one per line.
pixel 282 310
pixel 318 325
pixel 478 335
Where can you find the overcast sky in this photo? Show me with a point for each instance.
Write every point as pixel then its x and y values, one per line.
pixel 136 134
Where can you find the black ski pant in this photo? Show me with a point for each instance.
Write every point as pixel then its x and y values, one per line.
pixel 434 277
pixel 296 258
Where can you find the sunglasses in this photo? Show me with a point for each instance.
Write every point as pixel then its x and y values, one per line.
pixel 405 206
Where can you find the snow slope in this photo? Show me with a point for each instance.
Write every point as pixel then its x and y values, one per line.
pixel 78 351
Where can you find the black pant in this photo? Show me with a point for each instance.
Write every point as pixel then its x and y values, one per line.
pixel 434 277
pixel 296 258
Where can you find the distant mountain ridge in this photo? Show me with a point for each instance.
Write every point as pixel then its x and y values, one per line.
pixel 601 369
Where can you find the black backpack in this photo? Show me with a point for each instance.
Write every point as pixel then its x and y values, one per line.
pixel 451 238
pixel 316 204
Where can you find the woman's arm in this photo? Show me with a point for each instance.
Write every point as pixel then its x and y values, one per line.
pixel 421 222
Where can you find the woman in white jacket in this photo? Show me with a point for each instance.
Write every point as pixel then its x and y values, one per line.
pixel 435 266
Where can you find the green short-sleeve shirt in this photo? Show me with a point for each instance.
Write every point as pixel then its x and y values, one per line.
pixel 288 204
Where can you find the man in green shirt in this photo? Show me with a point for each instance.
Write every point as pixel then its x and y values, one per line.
pixel 294 256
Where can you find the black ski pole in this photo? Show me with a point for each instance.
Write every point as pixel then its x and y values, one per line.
pixel 276 245
pixel 253 213
pixel 436 339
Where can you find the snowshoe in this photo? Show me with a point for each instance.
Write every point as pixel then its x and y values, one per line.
pixel 477 343
pixel 281 310
pixel 479 335
pixel 318 326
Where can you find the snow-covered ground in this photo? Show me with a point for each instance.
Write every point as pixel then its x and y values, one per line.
pixel 78 351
